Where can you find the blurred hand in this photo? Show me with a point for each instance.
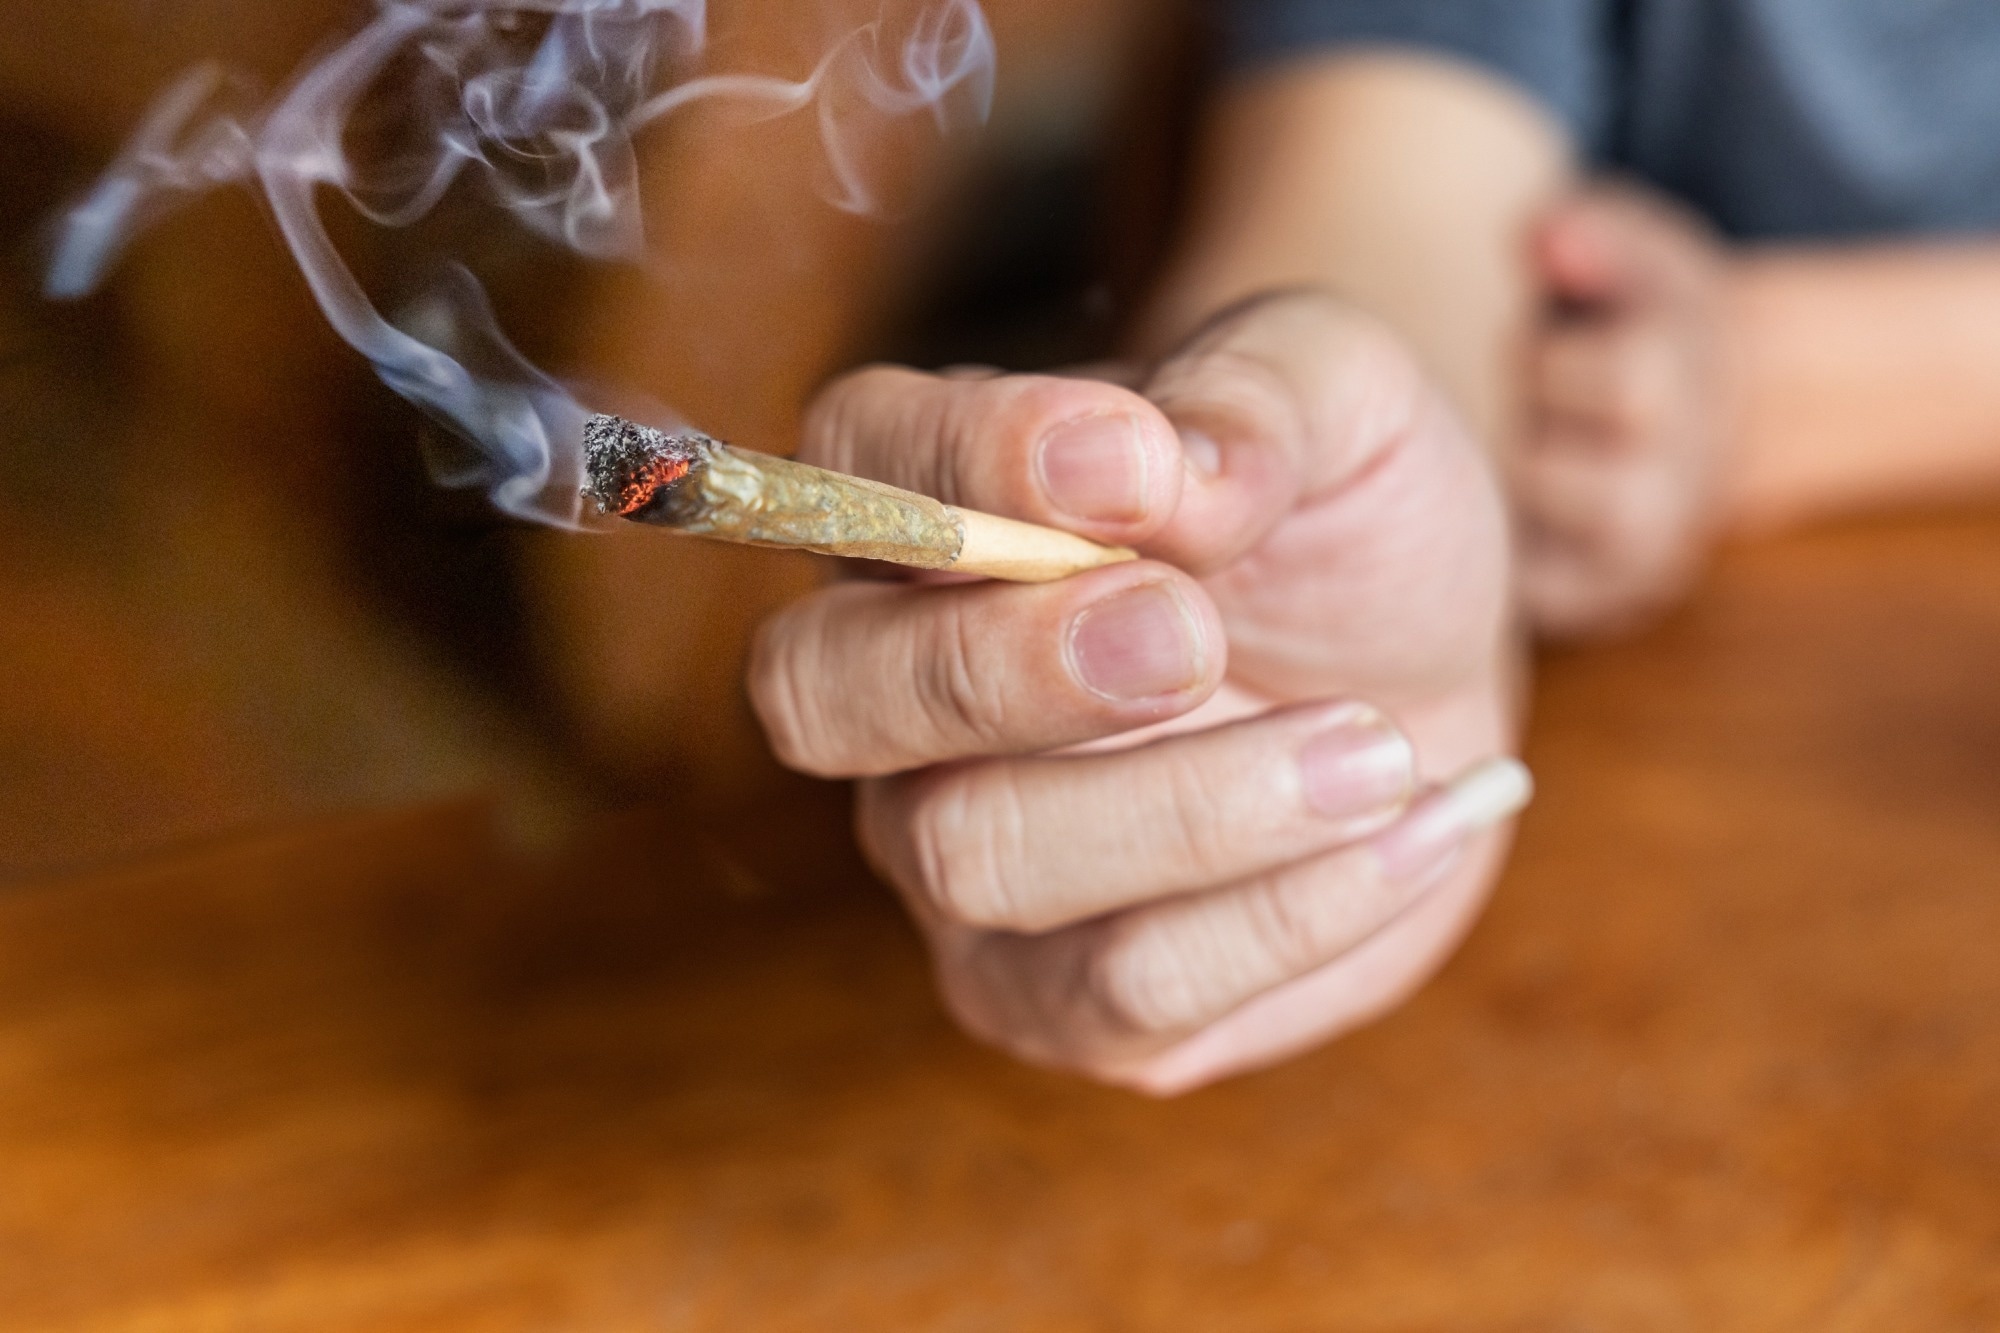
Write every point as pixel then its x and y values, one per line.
pixel 1629 416
pixel 1261 860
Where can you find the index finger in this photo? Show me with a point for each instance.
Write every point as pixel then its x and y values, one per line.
pixel 1082 455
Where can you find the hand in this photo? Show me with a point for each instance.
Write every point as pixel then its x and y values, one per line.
pixel 1629 412
pixel 1264 862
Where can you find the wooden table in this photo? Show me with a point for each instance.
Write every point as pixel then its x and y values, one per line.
pixel 1725 1054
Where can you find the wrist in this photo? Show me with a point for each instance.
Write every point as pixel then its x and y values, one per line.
pixel 1789 350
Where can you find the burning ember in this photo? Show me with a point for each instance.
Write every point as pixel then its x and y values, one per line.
pixel 630 467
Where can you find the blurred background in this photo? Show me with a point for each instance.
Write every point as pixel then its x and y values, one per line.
pixel 1725 1053
pixel 231 597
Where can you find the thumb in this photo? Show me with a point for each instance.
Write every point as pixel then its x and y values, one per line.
pixel 1280 400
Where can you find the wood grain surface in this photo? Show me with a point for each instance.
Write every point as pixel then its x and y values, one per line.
pixel 1725 1054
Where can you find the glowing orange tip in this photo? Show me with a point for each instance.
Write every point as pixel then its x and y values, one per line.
pixel 641 486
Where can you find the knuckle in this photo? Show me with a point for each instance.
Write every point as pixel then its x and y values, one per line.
pixel 830 429
pixel 776 680
pixel 1381 353
pixel 964 704
pixel 968 836
pixel 1291 927
pixel 1195 795
pixel 1316 369
pixel 1389 386
pixel 1142 986
pixel 872 422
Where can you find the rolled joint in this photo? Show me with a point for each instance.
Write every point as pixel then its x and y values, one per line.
pixel 690 483
pixel 760 500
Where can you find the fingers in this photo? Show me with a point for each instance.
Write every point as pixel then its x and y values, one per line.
pixel 1034 844
pixel 870 679
pixel 1109 995
pixel 1597 501
pixel 1606 542
pixel 1378 560
pixel 1288 398
pixel 1077 454
pixel 1177 967
pixel 1612 385
pixel 1356 988
pixel 1628 410
pixel 1614 484
pixel 1615 245
pixel 1283 401
pixel 1569 596
pixel 1572 590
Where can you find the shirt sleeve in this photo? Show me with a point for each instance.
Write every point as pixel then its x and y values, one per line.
pixel 1559 51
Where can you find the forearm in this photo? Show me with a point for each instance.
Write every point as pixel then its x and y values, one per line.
pixel 1405 184
pixel 1866 376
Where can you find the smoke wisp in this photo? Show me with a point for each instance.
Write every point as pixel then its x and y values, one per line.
pixel 540 102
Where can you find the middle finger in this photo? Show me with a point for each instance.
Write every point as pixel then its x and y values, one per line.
pixel 1175 967
pixel 1033 844
pixel 866 680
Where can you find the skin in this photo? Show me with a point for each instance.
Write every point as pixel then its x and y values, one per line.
pixel 1404 184
pixel 1178 900
pixel 1844 349
pixel 1139 890
pixel 1621 471
pixel 1681 389
pixel 1648 388
pixel 1172 913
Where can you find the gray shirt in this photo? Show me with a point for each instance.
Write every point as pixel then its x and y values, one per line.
pixel 1776 118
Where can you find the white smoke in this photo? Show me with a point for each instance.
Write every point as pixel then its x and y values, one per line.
pixel 541 100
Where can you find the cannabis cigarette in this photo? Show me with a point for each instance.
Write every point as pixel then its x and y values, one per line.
pixel 692 484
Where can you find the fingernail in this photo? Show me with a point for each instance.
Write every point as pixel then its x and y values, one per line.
pixel 1142 644
pixel 1437 828
pixel 1203 454
pixel 1095 469
pixel 1361 766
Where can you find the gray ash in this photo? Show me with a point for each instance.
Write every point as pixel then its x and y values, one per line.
pixel 630 468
